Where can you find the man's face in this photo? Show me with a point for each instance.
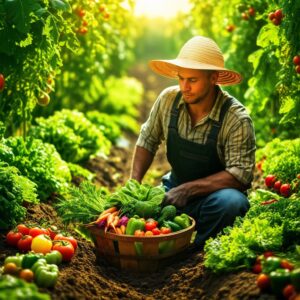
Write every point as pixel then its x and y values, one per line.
pixel 195 85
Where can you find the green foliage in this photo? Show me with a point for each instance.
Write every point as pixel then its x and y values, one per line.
pixel 15 189
pixel 38 161
pixel 82 204
pixel 78 171
pixel 32 35
pixel 72 134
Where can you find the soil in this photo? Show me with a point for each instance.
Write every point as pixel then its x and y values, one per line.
pixel 89 277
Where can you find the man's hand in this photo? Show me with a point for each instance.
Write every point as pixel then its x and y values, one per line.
pixel 177 196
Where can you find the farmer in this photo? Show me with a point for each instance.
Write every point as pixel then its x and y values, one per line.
pixel 210 141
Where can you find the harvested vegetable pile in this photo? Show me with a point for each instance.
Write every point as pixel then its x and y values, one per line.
pixel 86 278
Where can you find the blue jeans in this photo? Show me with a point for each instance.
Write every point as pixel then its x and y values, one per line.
pixel 213 212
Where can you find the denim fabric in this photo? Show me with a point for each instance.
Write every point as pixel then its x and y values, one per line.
pixel 212 212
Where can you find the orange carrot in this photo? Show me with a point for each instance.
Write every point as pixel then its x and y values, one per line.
pixel 118 230
pixel 123 229
pixel 109 210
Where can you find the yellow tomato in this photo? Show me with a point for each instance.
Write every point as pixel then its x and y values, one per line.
pixel 41 244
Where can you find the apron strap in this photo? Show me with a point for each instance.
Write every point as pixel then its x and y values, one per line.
pixel 174 112
pixel 213 135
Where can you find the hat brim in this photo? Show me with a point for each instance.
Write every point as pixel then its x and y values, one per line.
pixel 170 68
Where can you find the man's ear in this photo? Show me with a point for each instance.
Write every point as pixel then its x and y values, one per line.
pixel 214 77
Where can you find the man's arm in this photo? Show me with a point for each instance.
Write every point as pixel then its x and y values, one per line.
pixel 142 160
pixel 180 195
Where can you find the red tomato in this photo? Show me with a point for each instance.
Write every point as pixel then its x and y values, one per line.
pixel 296 60
pixel 251 11
pixel 277 186
pixel 13 237
pixel 285 264
pixel 80 12
pixel 288 291
pixel 276 21
pixel 23 229
pixel 24 243
pixel 257 268
pixel 268 254
pixel 71 239
pixel 35 231
pixel 270 180
pixel 53 231
pixel 297 69
pixel 165 230
pixel 156 231
pixel 278 14
pixel 150 224
pixel 271 16
pixel 2 82
pixel 285 189
pixel 263 281
pixel 65 248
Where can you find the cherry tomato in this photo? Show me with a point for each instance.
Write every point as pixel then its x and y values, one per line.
pixel 263 281
pixel 65 248
pixel 80 12
pixel 35 231
pixel 165 230
pixel 251 11
pixel 296 60
pixel 297 69
pixel 24 243
pixel 270 180
pixel 139 232
pixel 41 244
pixel 27 275
pixel 257 268
pixel 156 231
pixel 150 224
pixel 285 264
pixel 277 186
pixel 71 239
pixel 13 237
pixel 53 231
pixel 285 189
pixel 271 16
pixel 10 268
pixel 288 291
pixel 23 229
pixel 278 14
pixel 2 82
pixel 268 254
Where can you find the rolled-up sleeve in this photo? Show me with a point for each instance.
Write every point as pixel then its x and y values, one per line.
pixel 239 151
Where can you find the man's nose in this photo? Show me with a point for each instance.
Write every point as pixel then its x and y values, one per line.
pixel 186 85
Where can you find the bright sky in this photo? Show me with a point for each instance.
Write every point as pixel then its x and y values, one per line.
pixel 160 8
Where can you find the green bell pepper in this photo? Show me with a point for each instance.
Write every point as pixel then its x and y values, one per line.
pixel 172 225
pixel 270 264
pixel 183 220
pixel 135 223
pixel 295 279
pixel 17 260
pixel 54 257
pixel 29 259
pixel 45 275
pixel 279 279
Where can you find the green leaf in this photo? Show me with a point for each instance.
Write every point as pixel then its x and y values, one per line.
pixel 61 5
pixel 18 11
pixel 268 35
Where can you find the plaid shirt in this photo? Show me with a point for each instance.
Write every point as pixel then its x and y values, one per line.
pixel 236 140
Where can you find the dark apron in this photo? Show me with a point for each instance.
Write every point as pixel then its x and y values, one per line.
pixel 190 160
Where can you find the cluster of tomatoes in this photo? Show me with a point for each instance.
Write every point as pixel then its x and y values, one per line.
pixel 248 13
pixel 284 189
pixel 296 61
pixel 42 240
pixel 276 17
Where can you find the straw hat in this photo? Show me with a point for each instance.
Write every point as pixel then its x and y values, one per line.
pixel 198 53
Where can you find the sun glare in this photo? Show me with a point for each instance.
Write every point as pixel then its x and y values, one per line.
pixel 161 8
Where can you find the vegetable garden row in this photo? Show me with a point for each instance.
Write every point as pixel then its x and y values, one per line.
pixel 63 69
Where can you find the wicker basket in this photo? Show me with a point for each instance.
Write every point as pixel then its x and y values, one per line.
pixel 140 254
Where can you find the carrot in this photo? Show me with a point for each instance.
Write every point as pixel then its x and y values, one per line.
pixel 102 218
pixel 118 230
pixel 109 210
pixel 123 229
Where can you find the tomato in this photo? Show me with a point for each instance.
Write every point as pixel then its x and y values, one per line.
pixel 43 99
pixel 2 82
pixel 296 60
pixel 257 268
pixel 10 268
pixel 263 281
pixel 65 248
pixel 41 244
pixel 251 11
pixel 82 30
pixel 278 14
pixel 150 224
pixel 106 15
pixel 23 229
pixel 24 243
pixel 13 237
pixel 285 189
pixel 271 16
pixel 102 8
pixel 85 23
pixel 35 231
pixel 80 12
pixel 165 230
pixel 148 233
pixel 285 264
pixel 288 291
pixel 268 254
pixel 230 28
pixel 156 231
pixel 270 180
pixel 245 16
pixel 277 186
pixel 139 232
pixel 53 231
pixel 27 275
pixel 71 239
pixel 276 21
pixel 297 69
